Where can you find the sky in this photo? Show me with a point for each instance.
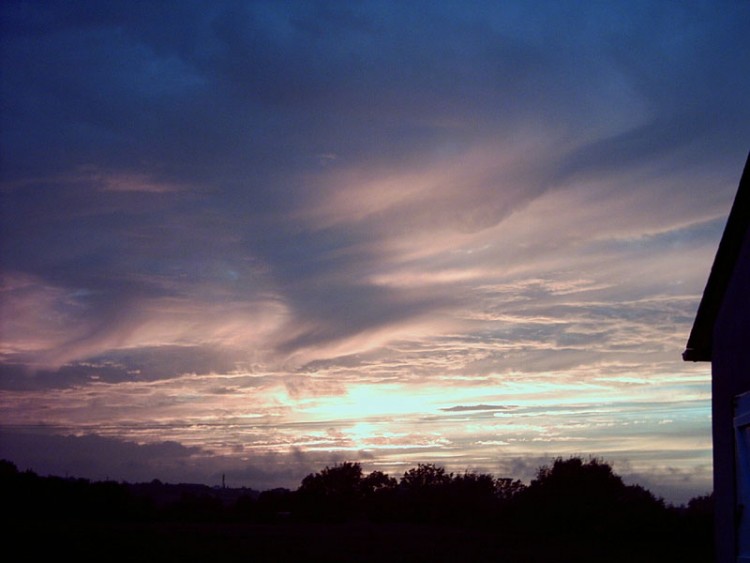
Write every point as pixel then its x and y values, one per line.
pixel 254 239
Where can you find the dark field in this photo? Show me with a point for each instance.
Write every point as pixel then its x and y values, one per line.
pixel 180 542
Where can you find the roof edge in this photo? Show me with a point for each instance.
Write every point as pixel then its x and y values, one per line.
pixel 700 343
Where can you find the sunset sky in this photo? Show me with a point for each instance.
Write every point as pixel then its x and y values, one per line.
pixel 258 238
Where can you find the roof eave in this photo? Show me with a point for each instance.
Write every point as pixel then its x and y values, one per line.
pixel 696 355
pixel 700 343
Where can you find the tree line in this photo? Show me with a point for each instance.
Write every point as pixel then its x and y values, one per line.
pixel 569 496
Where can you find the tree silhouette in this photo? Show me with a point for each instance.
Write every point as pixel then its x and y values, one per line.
pixel 377 482
pixel 471 498
pixel 334 493
pixel 574 498
pixel 574 510
pixel 425 477
pixel 506 488
pixel 425 493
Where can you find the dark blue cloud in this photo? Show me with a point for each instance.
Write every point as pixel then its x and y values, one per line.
pixel 90 456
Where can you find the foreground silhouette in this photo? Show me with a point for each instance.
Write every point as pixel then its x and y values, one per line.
pixel 574 510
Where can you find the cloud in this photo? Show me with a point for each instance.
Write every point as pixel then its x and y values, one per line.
pixel 40 318
pixel 471 408
pixel 91 456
